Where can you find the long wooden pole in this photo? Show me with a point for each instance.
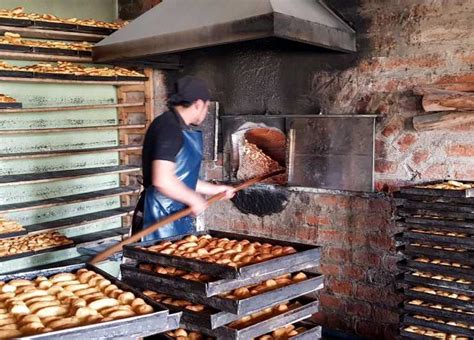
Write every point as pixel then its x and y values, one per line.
pixel 170 219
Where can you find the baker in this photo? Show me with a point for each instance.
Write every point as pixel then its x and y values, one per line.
pixel 171 160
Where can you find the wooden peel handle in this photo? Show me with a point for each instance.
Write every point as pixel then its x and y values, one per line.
pixel 174 217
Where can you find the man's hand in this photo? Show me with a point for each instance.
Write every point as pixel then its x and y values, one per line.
pixel 229 191
pixel 198 205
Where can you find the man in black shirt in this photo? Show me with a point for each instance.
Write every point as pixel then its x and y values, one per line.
pixel 171 159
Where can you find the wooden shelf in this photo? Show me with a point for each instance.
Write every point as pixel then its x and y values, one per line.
pixel 51 202
pixel 77 221
pixel 71 108
pixel 88 240
pixel 43 154
pixel 44 57
pixel 64 81
pixel 64 175
pixel 85 128
pixel 29 32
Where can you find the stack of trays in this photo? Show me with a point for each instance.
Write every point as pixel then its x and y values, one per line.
pixel 437 242
pixel 219 311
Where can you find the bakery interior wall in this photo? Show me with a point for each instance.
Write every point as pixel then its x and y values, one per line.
pixel 400 44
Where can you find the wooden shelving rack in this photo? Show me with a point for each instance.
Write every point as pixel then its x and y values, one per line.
pixel 134 108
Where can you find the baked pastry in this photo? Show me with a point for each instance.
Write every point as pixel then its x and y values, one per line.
pixel 441 277
pixel 8 226
pixel 449 185
pixel 438 232
pixel 233 253
pixel 457 250
pixel 15 39
pixel 283 333
pixel 175 272
pixel 442 293
pixel 61 301
pixel 183 334
pixel 180 303
pixel 30 243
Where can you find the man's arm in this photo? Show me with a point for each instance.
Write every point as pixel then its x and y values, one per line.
pixel 165 180
pixel 206 188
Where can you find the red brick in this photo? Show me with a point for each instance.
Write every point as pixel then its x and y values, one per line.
pixel 420 156
pixel 464 172
pixel 330 269
pixel 437 171
pixel 317 220
pixel 383 242
pixel 383 166
pixel 353 273
pixel 380 205
pixel 306 234
pixel 339 287
pixel 391 129
pixel 357 240
pixel 461 150
pixel 385 315
pixel 380 149
pixel 406 141
pixel 319 318
pixel 331 237
pixel 336 255
pixel 423 61
pixel 369 329
pixel 329 301
pixel 366 258
pixel 359 309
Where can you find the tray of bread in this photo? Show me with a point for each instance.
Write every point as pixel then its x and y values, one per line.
pixel 7 102
pixel 183 334
pixel 451 253
pixel 444 297
pixel 424 333
pixel 14 42
pixel 10 228
pixel 457 327
pixel 21 246
pixel 69 71
pixel 436 214
pixel 268 319
pixel 438 266
pixel 430 203
pixel 224 255
pixel 438 310
pixel 446 282
pixel 443 230
pixel 18 17
pixel 440 237
pixel 435 222
pixel 242 300
pixel 448 188
pixel 77 302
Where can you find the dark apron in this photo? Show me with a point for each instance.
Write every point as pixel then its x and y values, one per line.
pixel 158 206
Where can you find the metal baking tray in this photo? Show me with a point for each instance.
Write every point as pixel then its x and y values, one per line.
pixel 15 22
pixel 408 319
pixel 128 78
pixel 448 286
pixel 15 105
pixel 448 241
pixel 307 309
pixel 466 257
pixel 15 48
pixel 211 288
pixel 143 325
pixel 437 312
pixel 430 201
pixel 14 234
pixel 427 227
pixel 305 254
pixel 439 299
pixel 438 192
pixel 408 211
pixel 434 222
pixel 30 253
pixel 15 74
pixel 410 335
pixel 240 307
pixel 467 273
pixel 61 51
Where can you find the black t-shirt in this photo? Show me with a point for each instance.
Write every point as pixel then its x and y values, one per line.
pixel 163 140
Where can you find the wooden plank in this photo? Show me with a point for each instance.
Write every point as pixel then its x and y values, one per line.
pixel 51 202
pixel 63 175
pixel 29 32
pixel 132 88
pixel 63 81
pixel 79 220
pixel 85 128
pixel 426 89
pixel 442 120
pixel 54 153
pixel 445 100
pixel 44 57
pixel 71 108
pixel 149 96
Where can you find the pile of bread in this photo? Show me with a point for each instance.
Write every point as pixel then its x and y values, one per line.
pixel 175 272
pixel 449 185
pixel 457 250
pixel 441 277
pixel 264 314
pixel 442 262
pixel 10 38
pixel 283 333
pixel 18 13
pixel 422 303
pixel 223 251
pixel 450 323
pixel 24 244
pixel 442 293
pixel 180 303
pixel 62 301
pixel 183 334
pixel 438 232
pixel 265 286
pixel 63 67
pixel 6 99
pixel 434 333
pixel 8 226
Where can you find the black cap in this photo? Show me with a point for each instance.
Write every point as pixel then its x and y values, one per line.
pixel 188 89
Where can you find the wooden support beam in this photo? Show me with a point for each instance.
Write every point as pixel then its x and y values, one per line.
pixel 442 120
pixel 444 100
pixel 29 32
pixel 63 81
pixel 44 57
pixel 67 129
pixel 72 108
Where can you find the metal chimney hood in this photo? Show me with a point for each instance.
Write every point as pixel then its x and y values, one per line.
pixel 181 25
